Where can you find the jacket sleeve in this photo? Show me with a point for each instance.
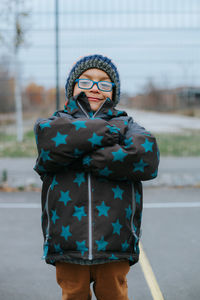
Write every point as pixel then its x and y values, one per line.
pixel 136 159
pixel 60 141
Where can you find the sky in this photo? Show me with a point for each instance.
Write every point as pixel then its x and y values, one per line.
pixel 154 40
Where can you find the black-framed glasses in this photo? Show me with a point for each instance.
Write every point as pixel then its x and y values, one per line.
pixel 87 84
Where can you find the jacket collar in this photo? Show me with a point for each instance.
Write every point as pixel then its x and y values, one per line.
pixel 79 106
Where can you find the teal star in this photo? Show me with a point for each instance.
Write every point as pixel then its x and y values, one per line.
pixel 45 155
pixel 60 139
pixel 53 183
pixel 95 140
pixel 79 212
pixel 65 198
pixel 79 178
pixel 101 244
pixel 120 113
pixel 113 257
pixel 105 172
pixel 65 232
pixel 131 258
pixel 77 152
pixel 103 209
pixel 137 196
pixel 110 113
pixel 87 160
pixel 128 142
pixel 44 125
pixel 117 192
pixel 125 246
pixel 128 212
pixel 54 216
pixel 72 105
pixel 81 247
pixel 119 155
pixel 41 168
pixel 153 175
pixel 113 128
pixel 117 227
pixel 45 250
pixel 139 166
pixel 147 145
pixel 57 248
pixel 79 124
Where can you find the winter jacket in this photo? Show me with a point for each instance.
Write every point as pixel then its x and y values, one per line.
pixel 92 166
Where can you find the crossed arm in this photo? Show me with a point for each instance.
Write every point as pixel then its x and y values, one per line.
pixel 97 147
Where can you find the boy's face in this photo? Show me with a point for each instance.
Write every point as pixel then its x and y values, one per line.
pixel 95 96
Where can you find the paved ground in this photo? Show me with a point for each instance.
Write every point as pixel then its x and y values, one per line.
pixel 170 240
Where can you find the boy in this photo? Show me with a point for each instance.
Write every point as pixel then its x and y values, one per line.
pixel 92 159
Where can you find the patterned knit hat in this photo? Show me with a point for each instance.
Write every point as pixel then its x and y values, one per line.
pixel 94 61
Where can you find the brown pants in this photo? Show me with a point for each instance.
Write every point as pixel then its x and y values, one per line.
pixel 109 280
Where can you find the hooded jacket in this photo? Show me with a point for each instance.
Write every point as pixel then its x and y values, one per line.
pixel 92 166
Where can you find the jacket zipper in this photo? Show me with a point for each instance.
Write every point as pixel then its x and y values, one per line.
pixel 48 225
pixel 133 212
pixel 90 256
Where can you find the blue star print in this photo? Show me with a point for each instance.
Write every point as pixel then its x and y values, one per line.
pixel 105 172
pixel 119 155
pixel 128 212
pixel 137 196
pixel 81 247
pixel 57 248
pixel 79 124
pixel 54 216
pixel 147 145
pixel 77 152
pixel 41 168
pixel 101 244
pixel 72 105
pixel 60 139
pixel 95 140
pixel 79 178
pixel 128 142
pixel 117 192
pixel 103 209
pixel 79 212
pixel 113 128
pixel 153 175
pixel 87 160
pixel 45 155
pixel 65 232
pixel 113 257
pixel 117 227
pixel 44 125
pixel 125 246
pixel 54 182
pixel 139 166
pixel 65 198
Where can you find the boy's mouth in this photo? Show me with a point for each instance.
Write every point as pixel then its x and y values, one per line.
pixel 94 99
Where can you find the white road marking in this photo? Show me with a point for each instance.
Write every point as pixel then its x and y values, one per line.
pixel 20 205
pixel 172 205
pixel 146 205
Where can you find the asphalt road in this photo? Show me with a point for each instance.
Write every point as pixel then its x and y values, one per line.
pixel 170 240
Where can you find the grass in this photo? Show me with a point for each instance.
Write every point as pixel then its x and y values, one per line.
pixel 177 144
pixel 187 144
pixel 9 147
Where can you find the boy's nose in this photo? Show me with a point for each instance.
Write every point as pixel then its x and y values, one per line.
pixel 95 88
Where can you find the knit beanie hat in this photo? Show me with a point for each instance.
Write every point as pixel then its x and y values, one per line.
pixel 94 61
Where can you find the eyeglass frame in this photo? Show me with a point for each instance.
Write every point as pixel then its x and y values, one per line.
pixel 95 82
